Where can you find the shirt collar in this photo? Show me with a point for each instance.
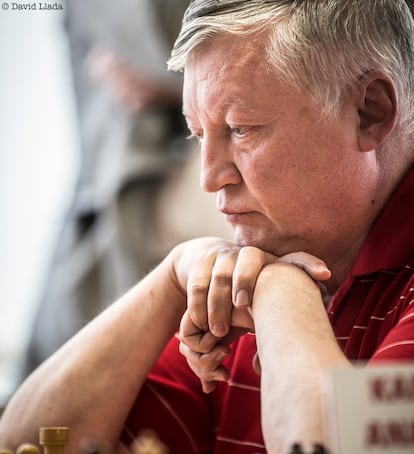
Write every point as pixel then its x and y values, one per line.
pixel 390 242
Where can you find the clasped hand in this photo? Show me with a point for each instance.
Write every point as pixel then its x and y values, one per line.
pixel 219 278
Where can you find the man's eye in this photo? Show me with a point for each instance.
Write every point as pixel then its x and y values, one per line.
pixel 240 131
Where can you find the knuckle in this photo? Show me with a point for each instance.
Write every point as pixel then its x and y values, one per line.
pixel 252 251
pixel 229 250
pixel 197 288
pixel 183 349
pixel 222 277
pixel 249 249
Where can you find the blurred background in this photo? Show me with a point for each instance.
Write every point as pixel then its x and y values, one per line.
pixel 97 181
pixel 38 167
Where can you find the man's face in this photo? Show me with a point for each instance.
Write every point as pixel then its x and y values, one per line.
pixel 285 178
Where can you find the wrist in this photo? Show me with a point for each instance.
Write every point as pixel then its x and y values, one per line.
pixel 280 282
pixel 289 315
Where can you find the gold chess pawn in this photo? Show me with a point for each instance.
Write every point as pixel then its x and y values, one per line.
pixel 27 448
pixel 53 439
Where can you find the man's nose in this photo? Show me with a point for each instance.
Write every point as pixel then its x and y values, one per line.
pixel 217 165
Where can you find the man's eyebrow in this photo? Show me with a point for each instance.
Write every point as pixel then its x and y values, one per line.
pixel 230 101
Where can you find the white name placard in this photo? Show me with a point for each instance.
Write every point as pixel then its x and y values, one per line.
pixel 371 409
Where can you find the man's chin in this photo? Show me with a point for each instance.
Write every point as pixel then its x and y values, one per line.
pixel 261 240
pixel 254 239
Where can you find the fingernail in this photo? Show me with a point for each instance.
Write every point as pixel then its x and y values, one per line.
pixel 242 298
pixel 219 329
pixel 324 269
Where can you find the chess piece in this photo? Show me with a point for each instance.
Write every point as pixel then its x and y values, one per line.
pixel 27 448
pixel 148 443
pixel 53 439
pixel 296 449
pixel 94 446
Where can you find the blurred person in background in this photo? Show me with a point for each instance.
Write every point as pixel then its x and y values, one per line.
pixel 134 160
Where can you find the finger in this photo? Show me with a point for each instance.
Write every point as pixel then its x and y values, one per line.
pixel 242 322
pixel 207 366
pixel 220 292
pixel 250 262
pixel 315 267
pixel 198 285
pixel 195 338
pixel 208 386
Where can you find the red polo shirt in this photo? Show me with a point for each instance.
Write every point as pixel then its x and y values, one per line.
pixel 372 315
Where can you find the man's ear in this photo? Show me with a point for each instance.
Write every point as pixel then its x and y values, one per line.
pixel 376 109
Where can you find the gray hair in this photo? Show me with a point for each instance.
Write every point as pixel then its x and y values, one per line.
pixel 323 46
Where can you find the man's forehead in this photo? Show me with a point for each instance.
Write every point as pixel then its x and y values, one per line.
pixel 228 51
pixel 242 88
pixel 236 68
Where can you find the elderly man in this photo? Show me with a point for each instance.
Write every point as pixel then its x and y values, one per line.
pixel 304 113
